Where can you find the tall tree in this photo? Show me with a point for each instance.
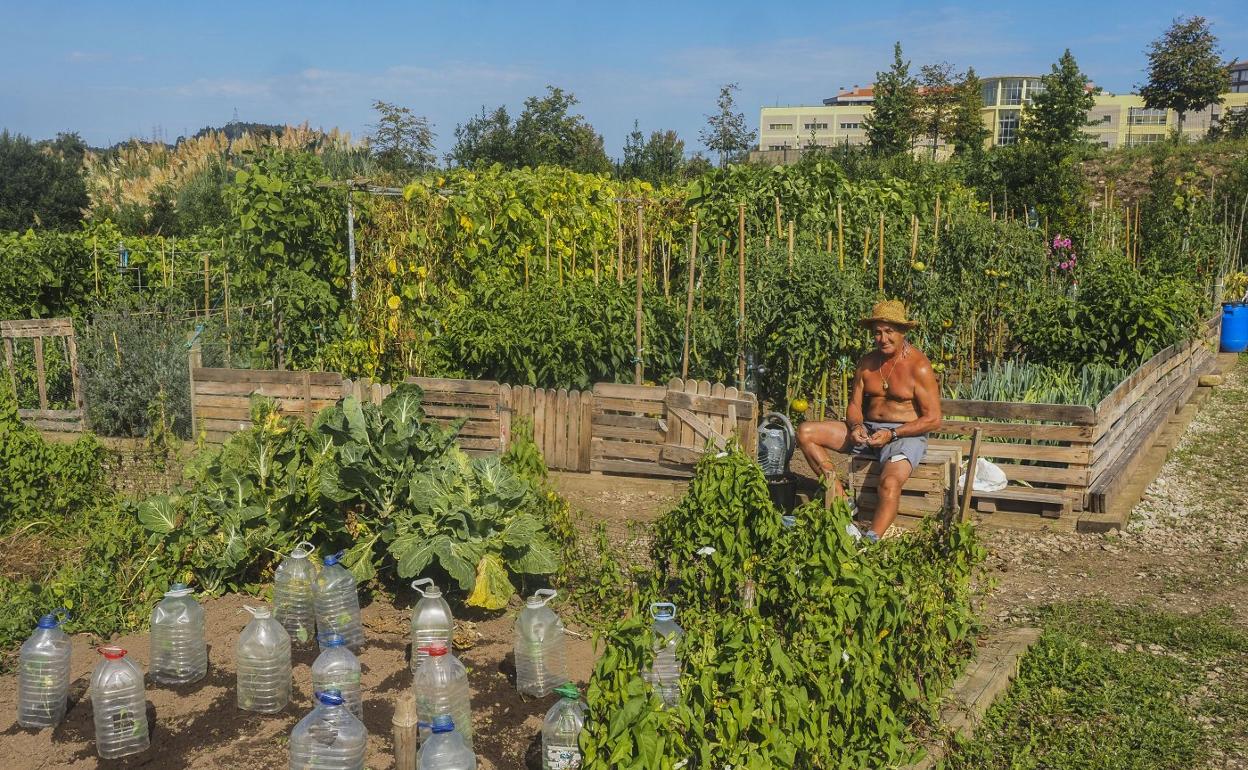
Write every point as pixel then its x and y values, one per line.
pixel 547 133
pixel 967 132
pixel 1185 70
pixel 894 123
pixel 937 102
pixel 726 133
pixel 1059 113
pixel 485 139
pixel 402 142
pixel 663 157
pixel 41 184
pixel 634 146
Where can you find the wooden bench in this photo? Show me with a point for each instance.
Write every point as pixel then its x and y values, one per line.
pixel 930 489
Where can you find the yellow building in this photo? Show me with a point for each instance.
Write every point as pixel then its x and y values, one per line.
pixel 1115 120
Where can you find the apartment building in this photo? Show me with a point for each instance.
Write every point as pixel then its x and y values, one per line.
pixel 1115 120
pixel 1239 77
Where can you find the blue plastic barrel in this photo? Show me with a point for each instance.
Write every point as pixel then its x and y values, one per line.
pixel 1234 327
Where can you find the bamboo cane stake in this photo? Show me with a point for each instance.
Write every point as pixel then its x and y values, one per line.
pixel 95 258
pixel 936 223
pixel 792 241
pixel 693 263
pixel 228 339
pixel 866 246
pixel 1126 230
pixel 914 236
pixel 207 286
pixel 619 245
pixel 638 369
pixel 840 237
pixel 829 243
pixel 881 257
pixel 548 245
pixel 779 234
pixel 741 296
pixel 595 249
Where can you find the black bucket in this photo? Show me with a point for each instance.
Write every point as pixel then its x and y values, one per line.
pixel 783 490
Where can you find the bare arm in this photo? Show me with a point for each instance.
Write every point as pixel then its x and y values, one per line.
pixel 853 410
pixel 927 403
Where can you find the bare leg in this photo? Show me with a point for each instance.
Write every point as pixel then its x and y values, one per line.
pixel 815 439
pixel 892 477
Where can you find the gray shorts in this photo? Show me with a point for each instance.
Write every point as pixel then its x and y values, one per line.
pixel 910 447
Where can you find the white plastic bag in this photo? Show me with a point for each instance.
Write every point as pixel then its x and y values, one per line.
pixel 988 477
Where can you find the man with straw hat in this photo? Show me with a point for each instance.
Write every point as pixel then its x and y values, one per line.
pixel 894 404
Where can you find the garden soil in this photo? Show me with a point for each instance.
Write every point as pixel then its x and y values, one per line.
pixel 200 725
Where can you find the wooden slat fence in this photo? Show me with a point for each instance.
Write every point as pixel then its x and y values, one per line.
pixel 45 418
pixel 561 422
pixel 221 398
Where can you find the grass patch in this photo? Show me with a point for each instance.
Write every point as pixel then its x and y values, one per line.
pixel 1120 688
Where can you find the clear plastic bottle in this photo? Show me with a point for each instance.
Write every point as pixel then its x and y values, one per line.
pixel 43 675
pixel 118 705
pixel 338 602
pixel 561 730
pixel 337 668
pixel 179 649
pixel 263 658
pixel 445 749
pixel 328 738
pixel 294 596
pixel 541 665
pixel 432 622
pixel 665 676
pixel 441 689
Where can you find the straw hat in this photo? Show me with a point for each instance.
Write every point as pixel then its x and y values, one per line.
pixel 889 311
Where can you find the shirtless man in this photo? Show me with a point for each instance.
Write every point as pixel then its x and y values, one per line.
pixel 894 404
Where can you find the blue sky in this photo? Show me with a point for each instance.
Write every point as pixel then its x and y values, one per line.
pixel 120 69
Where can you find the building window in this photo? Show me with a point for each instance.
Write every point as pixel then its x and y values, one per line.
pixel 990 93
pixel 1141 116
pixel 780 127
pixel 777 147
pixel 815 126
pixel 1135 140
pixel 1012 91
pixel 850 126
pixel 1007 127
pixel 1034 87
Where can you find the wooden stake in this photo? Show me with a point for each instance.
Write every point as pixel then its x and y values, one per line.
pixel 638 370
pixel 1127 231
pixel 965 513
pixel 741 297
pixel 866 246
pixel 840 237
pixel 914 236
pixel 404 724
pixel 228 351
pixel 829 243
pixel 693 263
pixel 41 376
pixel 595 249
pixel 792 241
pixel 936 223
pixel 619 245
pixel 881 259
pixel 548 244
pixel 779 233
pixel 207 286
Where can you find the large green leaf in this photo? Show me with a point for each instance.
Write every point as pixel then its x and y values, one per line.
pixel 413 551
pixel 402 406
pixel 458 567
pixel 357 427
pixel 521 530
pixel 540 558
pixel 359 559
pixel 158 514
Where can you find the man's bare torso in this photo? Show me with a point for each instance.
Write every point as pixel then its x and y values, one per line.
pixel 896 403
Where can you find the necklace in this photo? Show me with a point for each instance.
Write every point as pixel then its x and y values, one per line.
pixel 905 348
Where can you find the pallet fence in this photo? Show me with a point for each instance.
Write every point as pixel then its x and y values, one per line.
pixel 45 418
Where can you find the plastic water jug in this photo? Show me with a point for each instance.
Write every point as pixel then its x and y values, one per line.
pixel 665 675
pixel 294 596
pixel 431 620
pixel 328 738
pixel 118 705
pixel 441 689
pixel 540 662
pixel 445 748
pixel 43 675
pixel 337 668
pixel 179 650
pixel 263 659
pixel 338 602
pixel 561 730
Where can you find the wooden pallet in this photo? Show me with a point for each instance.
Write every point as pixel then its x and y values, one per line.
pixel 929 490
